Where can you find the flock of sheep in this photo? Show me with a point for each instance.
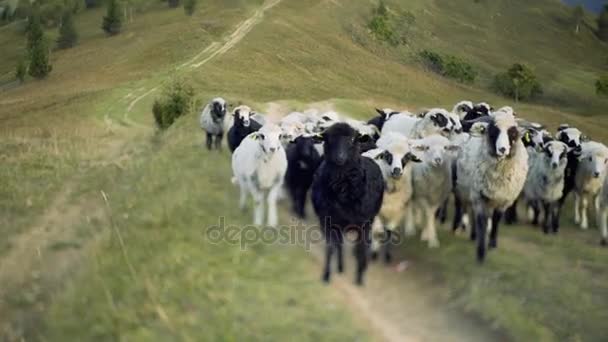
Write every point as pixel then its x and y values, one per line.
pixel 398 168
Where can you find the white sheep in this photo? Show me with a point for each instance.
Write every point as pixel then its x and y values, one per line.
pixel 589 179
pixel 603 212
pixel 212 121
pixel 259 164
pixel 491 172
pixel 431 182
pixel 545 181
pixel 394 159
pixel 435 121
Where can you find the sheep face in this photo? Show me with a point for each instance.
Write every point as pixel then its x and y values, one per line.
pixel 341 143
pixel 242 116
pixel 436 150
pixel 396 156
pixel 440 119
pixel 596 159
pixel 503 133
pixel 218 110
pixel 479 110
pixel 570 136
pixel 305 147
pixel 456 124
pixel 269 137
pixel 462 108
pixel 386 113
pixel 556 154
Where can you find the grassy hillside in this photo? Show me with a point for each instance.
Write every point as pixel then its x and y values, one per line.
pixel 89 128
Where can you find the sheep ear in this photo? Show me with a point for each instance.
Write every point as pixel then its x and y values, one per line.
pixel 317 138
pixel 381 112
pixel 411 157
pixel 526 137
pixel 585 138
pixel 452 148
pixel 479 129
pixel 363 138
pixel 420 148
pixel 563 127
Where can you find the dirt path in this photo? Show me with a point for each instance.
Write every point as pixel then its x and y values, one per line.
pixel 400 305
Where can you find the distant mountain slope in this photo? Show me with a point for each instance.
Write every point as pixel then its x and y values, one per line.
pixel 592 5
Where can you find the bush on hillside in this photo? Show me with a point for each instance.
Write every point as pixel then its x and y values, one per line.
pixel 173 3
pixel 112 22
pixel 601 86
pixel 37 47
pixel 449 66
pixel 519 82
pixel 190 6
pixel 68 37
pixel 21 71
pixel 388 27
pixel 175 102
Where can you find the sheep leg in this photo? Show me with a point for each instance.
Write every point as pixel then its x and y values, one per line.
pixel 431 229
pixel 218 141
pixel 361 251
pixel 584 205
pixel 496 216
pixel 548 213
pixel 536 212
pixel 511 214
pixel 481 222
pixel 209 141
pixel 604 225
pixel 340 252
pixel 577 208
pixel 386 243
pixel 473 233
pixel 555 211
pixel 258 198
pixel 243 197
pixel 442 212
pixel 330 247
pixel 273 219
pixel 410 229
pixel 299 200
pixel 457 214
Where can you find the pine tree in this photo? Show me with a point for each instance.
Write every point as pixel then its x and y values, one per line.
pixel 602 24
pixel 68 37
pixel 38 50
pixel 578 14
pixel 112 22
pixel 190 6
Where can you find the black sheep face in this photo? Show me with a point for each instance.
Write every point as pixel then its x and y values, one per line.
pixel 242 116
pixel 305 148
pixel 341 143
pixel 218 111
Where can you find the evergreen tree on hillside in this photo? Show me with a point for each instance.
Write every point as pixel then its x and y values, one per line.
pixel 112 22
pixel 68 37
pixel 602 24
pixel 578 15
pixel 38 51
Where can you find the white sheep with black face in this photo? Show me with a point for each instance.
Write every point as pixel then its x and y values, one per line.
pixel 431 182
pixel 589 178
pixel 395 159
pixel 545 181
pixel 212 122
pixel 434 121
pixel 259 164
pixel 491 173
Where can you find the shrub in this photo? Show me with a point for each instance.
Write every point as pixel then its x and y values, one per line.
pixel 176 101
pixel 112 22
pixel 39 66
pixel 173 3
pixel 601 85
pixel 190 6
pixel 388 27
pixel 21 71
pixel 68 37
pixel 449 66
pixel 519 82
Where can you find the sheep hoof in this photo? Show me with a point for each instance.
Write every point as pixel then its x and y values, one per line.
pixel 359 280
pixel 493 244
pixel 374 256
pixel 325 278
pixel 388 258
pixel 604 242
pixel 433 244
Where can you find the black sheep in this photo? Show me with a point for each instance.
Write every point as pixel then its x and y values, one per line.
pixel 303 159
pixel 573 138
pixel 347 194
pixel 242 127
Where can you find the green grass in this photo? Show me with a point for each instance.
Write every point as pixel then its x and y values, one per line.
pixel 73 129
